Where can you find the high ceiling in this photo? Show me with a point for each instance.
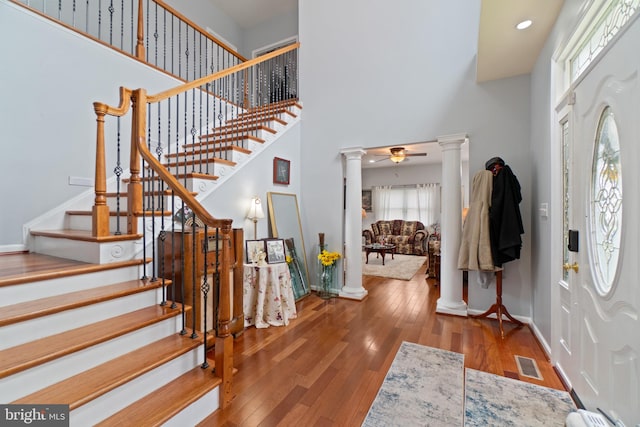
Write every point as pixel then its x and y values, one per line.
pixel 503 51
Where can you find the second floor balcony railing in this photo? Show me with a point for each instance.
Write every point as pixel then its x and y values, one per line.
pixel 149 30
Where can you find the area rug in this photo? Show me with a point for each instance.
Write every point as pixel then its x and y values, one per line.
pixel 400 267
pixel 492 400
pixel 423 387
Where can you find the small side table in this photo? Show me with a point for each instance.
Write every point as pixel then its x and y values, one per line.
pixel 268 295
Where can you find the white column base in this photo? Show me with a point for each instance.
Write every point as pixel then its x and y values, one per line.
pixel 355 294
pixel 449 307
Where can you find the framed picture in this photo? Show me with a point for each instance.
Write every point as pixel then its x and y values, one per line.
pixel 366 201
pixel 253 247
pixel 275 251
pixel 281 171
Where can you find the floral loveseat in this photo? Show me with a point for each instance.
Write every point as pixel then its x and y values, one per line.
pixel 408 236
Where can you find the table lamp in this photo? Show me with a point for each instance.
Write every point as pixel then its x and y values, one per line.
pixel 255 213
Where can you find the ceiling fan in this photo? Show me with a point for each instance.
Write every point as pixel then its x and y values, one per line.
pixel 399 154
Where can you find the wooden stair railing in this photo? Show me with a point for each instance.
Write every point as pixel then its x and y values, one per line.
pixel 239 79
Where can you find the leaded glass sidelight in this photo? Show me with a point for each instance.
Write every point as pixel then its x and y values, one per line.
pixel 606 202
pixel 565 198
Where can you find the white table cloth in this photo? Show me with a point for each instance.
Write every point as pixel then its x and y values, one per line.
pixel 268 296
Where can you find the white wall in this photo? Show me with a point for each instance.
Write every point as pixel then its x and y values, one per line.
pixel 373 72
pixel 49 79
pixel 273 31
pixel 543 129
pixel 231 200
pixel 49 127
pixel 205 14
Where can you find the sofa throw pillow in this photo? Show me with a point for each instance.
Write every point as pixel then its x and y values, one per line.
pixel 397 227
pixel 384 228
pixel 408 228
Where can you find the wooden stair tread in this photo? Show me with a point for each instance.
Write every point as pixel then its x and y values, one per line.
pixel 152 193
pixel 158 407
pixel 221 139
pixel 122 213
pixel 209 160
pixel 237 129
pixel 284 103
pixel 180 176
pixel 277 110
pixel 93 383
pixel 252 119
pixel 55 304
pixel 31 267
pixel 84 235
pixel 198 152
pixel 43 350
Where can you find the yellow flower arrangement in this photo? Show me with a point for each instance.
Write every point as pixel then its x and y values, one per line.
pixel 328 258
pixel 288 259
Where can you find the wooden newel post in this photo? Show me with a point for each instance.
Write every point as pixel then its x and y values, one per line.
pixel 224 340
pixel 100 211
pixel 134 189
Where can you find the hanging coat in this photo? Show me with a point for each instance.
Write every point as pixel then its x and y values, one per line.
pixel 505 218
pixel 475 249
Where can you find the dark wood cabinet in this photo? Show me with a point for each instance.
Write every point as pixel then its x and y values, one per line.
pixel 190 268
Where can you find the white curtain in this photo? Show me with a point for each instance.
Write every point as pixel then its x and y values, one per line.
pixel 428 203
pixel 381 199
pixel 415 203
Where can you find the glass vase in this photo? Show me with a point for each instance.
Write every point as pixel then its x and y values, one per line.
pixel 327 281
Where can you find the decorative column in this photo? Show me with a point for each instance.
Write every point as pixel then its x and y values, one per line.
pixel 451 298
pixel 352 287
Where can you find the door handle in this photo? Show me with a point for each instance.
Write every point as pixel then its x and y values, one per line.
pixel 566 266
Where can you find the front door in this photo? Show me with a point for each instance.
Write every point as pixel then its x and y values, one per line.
pixel 603 305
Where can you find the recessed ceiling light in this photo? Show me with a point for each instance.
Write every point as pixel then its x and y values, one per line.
pixel 524 24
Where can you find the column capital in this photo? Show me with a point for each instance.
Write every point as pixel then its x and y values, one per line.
pixel 452 141
pixel 353 152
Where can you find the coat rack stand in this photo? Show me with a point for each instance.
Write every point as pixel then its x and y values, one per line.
pixel 498 308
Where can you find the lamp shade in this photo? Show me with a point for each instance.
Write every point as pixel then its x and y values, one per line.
pixel 255 209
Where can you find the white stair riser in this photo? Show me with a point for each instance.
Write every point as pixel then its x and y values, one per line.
pixel 31 380
pixel 112 202
pixel 41 327
pixel 227 154
pixel 216 169
pixel 260 133
pixel 91 252
pixel 23 292
pixel 197 411
pixel 85 222
pixel 114 401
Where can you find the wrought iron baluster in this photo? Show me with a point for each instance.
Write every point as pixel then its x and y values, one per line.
pixel 204 288
pixel 156 35
pixel 73 18
pixel 194 275
pixel 111 10
pixel 122 24
pixel 99 19
pixel 118 172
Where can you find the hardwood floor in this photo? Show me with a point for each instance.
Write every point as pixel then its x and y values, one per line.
pixel 325 367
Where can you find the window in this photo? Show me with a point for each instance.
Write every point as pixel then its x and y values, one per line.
pixel 608 18
pixel 411 203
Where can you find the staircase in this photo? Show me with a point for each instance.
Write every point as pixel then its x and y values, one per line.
pixel 86 323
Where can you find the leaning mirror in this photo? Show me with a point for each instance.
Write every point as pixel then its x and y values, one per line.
pixel 284 217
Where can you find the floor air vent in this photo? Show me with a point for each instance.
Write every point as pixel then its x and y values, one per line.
pixel 528 367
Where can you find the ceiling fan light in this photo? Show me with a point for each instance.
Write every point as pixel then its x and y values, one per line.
pixel 397 154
